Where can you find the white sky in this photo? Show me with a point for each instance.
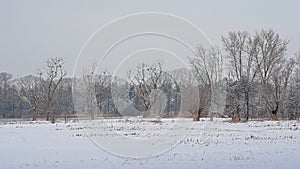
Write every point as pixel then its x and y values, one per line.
pixel 31 31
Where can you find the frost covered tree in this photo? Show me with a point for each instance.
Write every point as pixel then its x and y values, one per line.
pixel 292 102
pixel 63 98
pixel 292 105
pixel 231 103
pixel 88 78
pixel 207 67
pixel 235 45
pixel 253 59
pixel 279 82
pixel 30 92
pixel 272 51
pixel 5 79
pixel 249 73
pixel 105 102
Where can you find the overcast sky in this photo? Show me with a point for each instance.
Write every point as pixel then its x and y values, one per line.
pixel 33 30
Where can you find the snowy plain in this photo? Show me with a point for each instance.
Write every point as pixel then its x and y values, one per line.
pixel 107 143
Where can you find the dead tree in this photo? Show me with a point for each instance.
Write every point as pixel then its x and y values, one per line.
pixel 55 74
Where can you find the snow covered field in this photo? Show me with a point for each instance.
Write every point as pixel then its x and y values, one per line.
pixel 149 144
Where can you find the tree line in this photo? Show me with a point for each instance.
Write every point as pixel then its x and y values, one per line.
pixel 249 76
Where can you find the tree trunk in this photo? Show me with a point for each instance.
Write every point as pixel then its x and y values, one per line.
pixel 197 115
pixel 65 117
pixel 48 116
pixel 274 113
pixel 35 108
pixel 49 112
pixel 247 106
pixel 52 118
pixel 34 115
pixel 211 117
pixel 236 115
pixel 274 117
pixel 235 118
pixel 167 108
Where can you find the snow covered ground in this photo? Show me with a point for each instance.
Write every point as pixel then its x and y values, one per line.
pixel 149 144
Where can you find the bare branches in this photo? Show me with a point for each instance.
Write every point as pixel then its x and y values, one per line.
pixel 207 67
pixel 272 49
pixel 279 81
pixel 253 56
pixel 235 45
pixel 55 74
pixel 29 91
pixel 103 82
pixel 89 88
pixel 144 80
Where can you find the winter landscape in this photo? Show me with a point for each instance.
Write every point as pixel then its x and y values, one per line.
pixel 149 84
pixel 255 144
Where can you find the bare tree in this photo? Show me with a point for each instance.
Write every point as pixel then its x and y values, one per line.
pixel 104 98
pixel 145 82
pixel 235 45
pixel 5 79
pixel 250 72
pixel 292 104
pixel 63 98
pixel 29 91
pixel 89 88
pixel 278 87
pixel 253 57
pixel 272 49
pixel 207 67
pixel 55 74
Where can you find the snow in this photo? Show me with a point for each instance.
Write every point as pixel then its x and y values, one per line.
pixel 148 143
